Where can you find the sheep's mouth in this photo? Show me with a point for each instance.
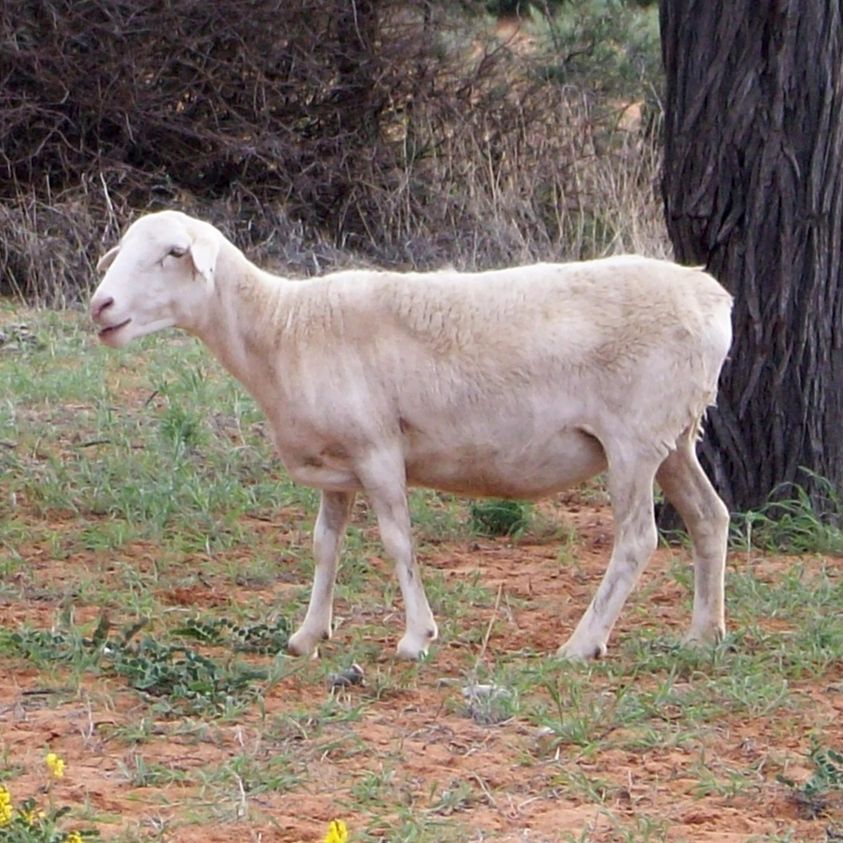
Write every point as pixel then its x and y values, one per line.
pixel 112 329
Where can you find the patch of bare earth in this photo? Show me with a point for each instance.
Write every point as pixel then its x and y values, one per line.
pixel 413 734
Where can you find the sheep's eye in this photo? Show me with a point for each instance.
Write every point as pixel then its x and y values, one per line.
pixel 177 252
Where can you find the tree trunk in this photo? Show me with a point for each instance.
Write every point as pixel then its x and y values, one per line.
pixel 753 190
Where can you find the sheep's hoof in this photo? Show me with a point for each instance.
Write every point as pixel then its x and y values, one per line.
pixel 575 652
pixel 414 647
pixel 701 638
pixel 303 644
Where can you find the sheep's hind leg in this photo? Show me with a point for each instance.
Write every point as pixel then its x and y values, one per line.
pixel 334 513
pixel 631 492
pixel 706 518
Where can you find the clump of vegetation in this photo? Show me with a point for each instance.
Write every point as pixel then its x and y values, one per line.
pixel 499 517
pixel 189 679
pixel 791 523
pixel 32 821
pixel 181 427
pixel 250 638
pixel 620 38
pixel 822 794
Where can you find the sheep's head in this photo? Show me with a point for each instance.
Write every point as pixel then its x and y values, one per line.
pixel 157 277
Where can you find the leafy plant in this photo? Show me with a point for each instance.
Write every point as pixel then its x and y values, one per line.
pixel 251 638
pixel 499 517
pixel 824 790
pixel 171 670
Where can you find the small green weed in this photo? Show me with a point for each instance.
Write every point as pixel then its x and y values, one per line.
pixel 458 796
pixel 142 773
pixel 43 646
pixel 256 774
pixel 181 427
pixel 499 517
pixel 188 679
pixel 720 779
pixel 29 823
pixel 249 638
pixel 822 794
pixel 180 673
pixel 373 788
pixel 574 783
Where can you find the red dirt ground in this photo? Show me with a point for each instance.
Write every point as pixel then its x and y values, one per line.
pixel 413 733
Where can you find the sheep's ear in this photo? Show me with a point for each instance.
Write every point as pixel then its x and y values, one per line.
pixel 203 252
pixel 107 259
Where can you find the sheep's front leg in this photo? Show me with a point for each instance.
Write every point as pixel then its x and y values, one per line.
pixel 394 525
pixel 334 512
pixel 631 492
pixel 385 484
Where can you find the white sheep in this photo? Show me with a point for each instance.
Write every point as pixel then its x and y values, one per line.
pixel 509 383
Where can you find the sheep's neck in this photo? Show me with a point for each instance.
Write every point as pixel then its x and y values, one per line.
pixel 244 322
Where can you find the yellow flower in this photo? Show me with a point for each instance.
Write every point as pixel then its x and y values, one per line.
pixel 74 837
pixel 55 764
pixel 337 832
pixel 5 806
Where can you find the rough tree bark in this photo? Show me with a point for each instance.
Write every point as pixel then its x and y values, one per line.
pixel 753 190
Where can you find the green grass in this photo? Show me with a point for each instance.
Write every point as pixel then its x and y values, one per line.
pixel 789 523
pixel 139 488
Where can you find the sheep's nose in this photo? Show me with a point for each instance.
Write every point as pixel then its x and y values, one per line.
pixel 99 307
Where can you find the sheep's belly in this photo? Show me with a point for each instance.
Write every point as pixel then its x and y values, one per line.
pixel 506 470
